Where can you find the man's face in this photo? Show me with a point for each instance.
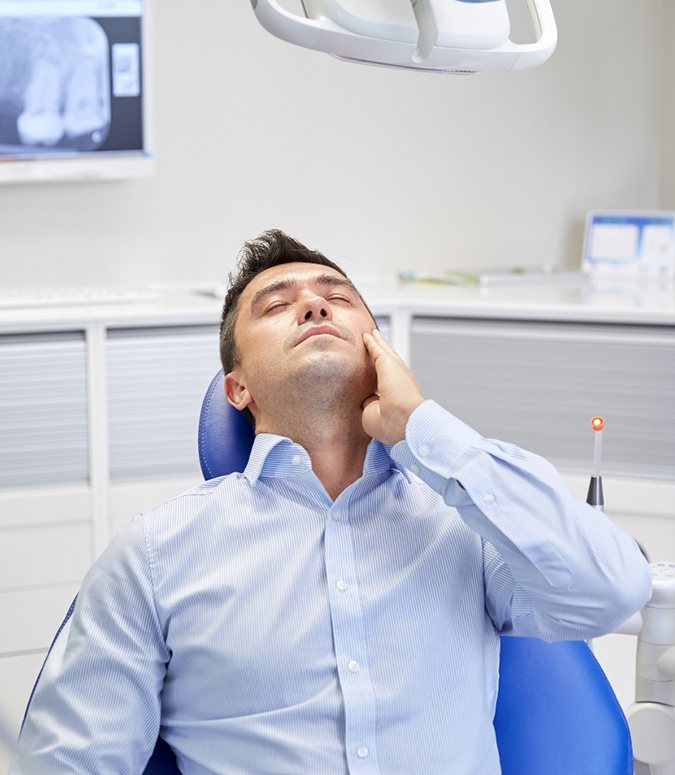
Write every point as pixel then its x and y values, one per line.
pixel 299 334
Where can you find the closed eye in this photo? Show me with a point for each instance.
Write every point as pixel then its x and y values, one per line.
pixel 339 297
pixel 275 306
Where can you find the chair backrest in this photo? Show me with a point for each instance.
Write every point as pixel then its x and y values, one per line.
pixel 556 712
pixel 225 436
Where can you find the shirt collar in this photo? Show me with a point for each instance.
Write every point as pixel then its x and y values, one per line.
pixel 280 457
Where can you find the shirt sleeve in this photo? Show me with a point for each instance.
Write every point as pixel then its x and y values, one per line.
pixel 554 567
pixel 99 711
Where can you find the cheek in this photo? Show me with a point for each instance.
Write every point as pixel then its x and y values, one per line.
pixel 269 352
pixel 264 341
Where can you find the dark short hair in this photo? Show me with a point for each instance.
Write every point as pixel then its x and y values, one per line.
pixel 271 248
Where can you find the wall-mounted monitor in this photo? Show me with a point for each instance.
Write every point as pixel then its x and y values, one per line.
pixel 73 90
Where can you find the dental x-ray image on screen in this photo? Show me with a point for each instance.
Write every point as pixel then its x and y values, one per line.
pixel 71 78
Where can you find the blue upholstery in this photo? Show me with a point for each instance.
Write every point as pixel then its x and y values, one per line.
pixel 556 712
pixel 225 435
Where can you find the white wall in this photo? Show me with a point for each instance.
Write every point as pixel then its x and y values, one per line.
pixel 382 169
pixel 668 175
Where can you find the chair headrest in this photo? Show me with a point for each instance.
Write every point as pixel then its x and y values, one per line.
pixel 225 435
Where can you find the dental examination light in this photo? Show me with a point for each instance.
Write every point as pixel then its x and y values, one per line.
pixel 452 36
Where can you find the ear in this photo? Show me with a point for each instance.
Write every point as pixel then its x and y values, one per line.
pixel 235 391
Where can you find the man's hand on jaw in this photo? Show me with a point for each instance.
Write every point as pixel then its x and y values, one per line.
pixel 386 413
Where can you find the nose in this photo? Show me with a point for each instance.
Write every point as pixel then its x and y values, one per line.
pixel 314 308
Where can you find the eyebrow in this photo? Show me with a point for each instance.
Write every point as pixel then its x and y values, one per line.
pixel 327 280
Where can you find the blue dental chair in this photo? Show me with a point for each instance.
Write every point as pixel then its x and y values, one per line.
pixel 556 712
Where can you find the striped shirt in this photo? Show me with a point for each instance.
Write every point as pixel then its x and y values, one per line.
pixel 263 629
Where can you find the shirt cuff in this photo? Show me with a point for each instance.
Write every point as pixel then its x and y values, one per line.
pixel 435 447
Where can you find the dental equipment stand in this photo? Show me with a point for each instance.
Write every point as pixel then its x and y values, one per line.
pixel 651 718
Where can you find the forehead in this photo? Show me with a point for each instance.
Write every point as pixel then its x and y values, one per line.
pixel 296 273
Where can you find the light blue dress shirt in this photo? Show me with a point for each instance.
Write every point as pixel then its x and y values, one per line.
pixel 264 629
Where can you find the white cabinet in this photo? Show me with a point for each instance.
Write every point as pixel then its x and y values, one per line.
pixel 45 536
pixel 93 424
pixel 538 384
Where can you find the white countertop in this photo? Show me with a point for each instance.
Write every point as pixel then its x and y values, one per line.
pixel 645 303
pixel 632 303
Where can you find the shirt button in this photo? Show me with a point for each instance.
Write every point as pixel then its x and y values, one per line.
pixel 353 666
pixel 337 515
pixel 424 451
pixel 415 469
pixel 488 498
pixel 296 460
pixel 362 751
pixel 342 585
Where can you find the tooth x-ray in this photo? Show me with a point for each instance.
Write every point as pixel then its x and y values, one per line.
pixel 54 83
pixel 70 82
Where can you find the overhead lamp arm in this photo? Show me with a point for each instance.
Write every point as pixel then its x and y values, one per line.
pixel 452 35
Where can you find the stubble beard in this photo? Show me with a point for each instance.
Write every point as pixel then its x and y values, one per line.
pixel 327 385
pixel 325 389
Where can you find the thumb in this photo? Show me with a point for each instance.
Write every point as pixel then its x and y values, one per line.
pixel 368 401
pixel 370 418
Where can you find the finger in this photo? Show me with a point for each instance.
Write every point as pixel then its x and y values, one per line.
pixel 372 345
pixel 378 343
pixel 384 344
pixel 370 417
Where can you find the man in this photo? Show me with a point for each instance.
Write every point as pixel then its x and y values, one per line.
pixel 337 607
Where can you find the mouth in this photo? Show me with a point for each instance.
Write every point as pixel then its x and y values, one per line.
pixel 316 330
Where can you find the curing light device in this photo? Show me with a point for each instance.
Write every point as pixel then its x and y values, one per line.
pixel 595 496
pixel 452 36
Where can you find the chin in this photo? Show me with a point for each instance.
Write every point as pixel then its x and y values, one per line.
pixel 328 359
pixel 326 365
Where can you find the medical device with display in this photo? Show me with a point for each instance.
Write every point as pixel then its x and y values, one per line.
pixel 73 90
pixel 454 36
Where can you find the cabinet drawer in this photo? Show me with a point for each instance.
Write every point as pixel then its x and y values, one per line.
pixel 43 409
pixel 32 617
pixel 37 556
pixel 157 379
pixel 23 507
pixel 17 677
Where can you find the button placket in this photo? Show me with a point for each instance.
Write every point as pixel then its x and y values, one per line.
pixel 349 641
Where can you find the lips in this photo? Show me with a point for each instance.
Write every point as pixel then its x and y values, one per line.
pixel 315 330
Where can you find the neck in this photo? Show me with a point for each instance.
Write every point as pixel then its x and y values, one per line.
pixel 335 442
